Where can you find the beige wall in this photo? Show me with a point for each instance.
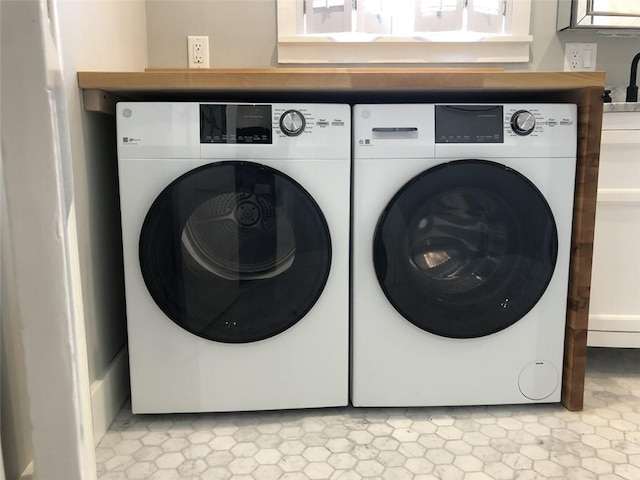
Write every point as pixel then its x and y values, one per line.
pixel 99 35
pixel 242 33
pixel 94 35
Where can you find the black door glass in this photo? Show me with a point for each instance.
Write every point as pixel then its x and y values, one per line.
pixel 466 248
pixel 235 252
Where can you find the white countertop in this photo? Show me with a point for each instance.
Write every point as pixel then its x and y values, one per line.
pixel 621 107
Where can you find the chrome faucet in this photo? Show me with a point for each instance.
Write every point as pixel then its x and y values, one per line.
pixel 632 89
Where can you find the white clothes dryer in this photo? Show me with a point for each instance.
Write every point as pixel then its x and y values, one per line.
pixel 461 236
pixel 235 227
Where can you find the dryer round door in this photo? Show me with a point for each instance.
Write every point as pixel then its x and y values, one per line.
pixel 235 252
pixel 466 248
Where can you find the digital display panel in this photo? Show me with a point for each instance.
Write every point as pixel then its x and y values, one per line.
pixel 241 124
pixel 469 124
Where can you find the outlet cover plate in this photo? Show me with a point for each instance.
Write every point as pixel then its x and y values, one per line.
pixel 198 51
pixel 580 57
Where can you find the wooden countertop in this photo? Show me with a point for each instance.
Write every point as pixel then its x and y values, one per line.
pixel 362 85
pixel 333 79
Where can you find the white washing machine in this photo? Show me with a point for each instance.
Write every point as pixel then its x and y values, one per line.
pixel 461 235
pixel 235 227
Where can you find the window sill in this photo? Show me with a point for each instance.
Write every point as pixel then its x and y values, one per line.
pixel 328 49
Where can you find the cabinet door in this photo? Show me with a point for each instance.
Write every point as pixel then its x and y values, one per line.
pixel 614 318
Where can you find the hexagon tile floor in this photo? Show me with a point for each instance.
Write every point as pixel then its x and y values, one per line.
pixel 459 443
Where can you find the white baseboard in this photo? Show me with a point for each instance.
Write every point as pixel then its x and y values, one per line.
pixel 618 331
pixel 109 393
pixel 598 338
pixel 614 323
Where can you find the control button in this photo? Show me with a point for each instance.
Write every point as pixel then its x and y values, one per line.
pixel 523 122
pixel 292 123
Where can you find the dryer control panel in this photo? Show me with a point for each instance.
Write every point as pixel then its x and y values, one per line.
pixel 238 124
pixel 235 123
pixel 233 130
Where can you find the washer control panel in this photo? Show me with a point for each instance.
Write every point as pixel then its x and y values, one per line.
pixel 465 130
pixel 494 124
pixel 536 120
pixel 469 124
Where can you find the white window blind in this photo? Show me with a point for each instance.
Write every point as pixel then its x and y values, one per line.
pixel 486 15
pixel 374 16
pixel 389 17
pixel 438 15
pixel 327 16
pixel 403 31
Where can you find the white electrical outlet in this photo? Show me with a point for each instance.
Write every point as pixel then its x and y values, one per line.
pixel 580 57
pixel 198 51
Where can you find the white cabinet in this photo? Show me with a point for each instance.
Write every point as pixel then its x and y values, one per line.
pixel 614 313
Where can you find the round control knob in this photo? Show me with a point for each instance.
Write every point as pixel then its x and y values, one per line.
pixel 292 123
pixel 523 122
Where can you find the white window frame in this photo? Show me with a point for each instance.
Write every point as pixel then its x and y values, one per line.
pixel 436 48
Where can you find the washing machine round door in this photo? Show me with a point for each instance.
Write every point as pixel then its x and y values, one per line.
pixel 235 252
pixel 466 248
